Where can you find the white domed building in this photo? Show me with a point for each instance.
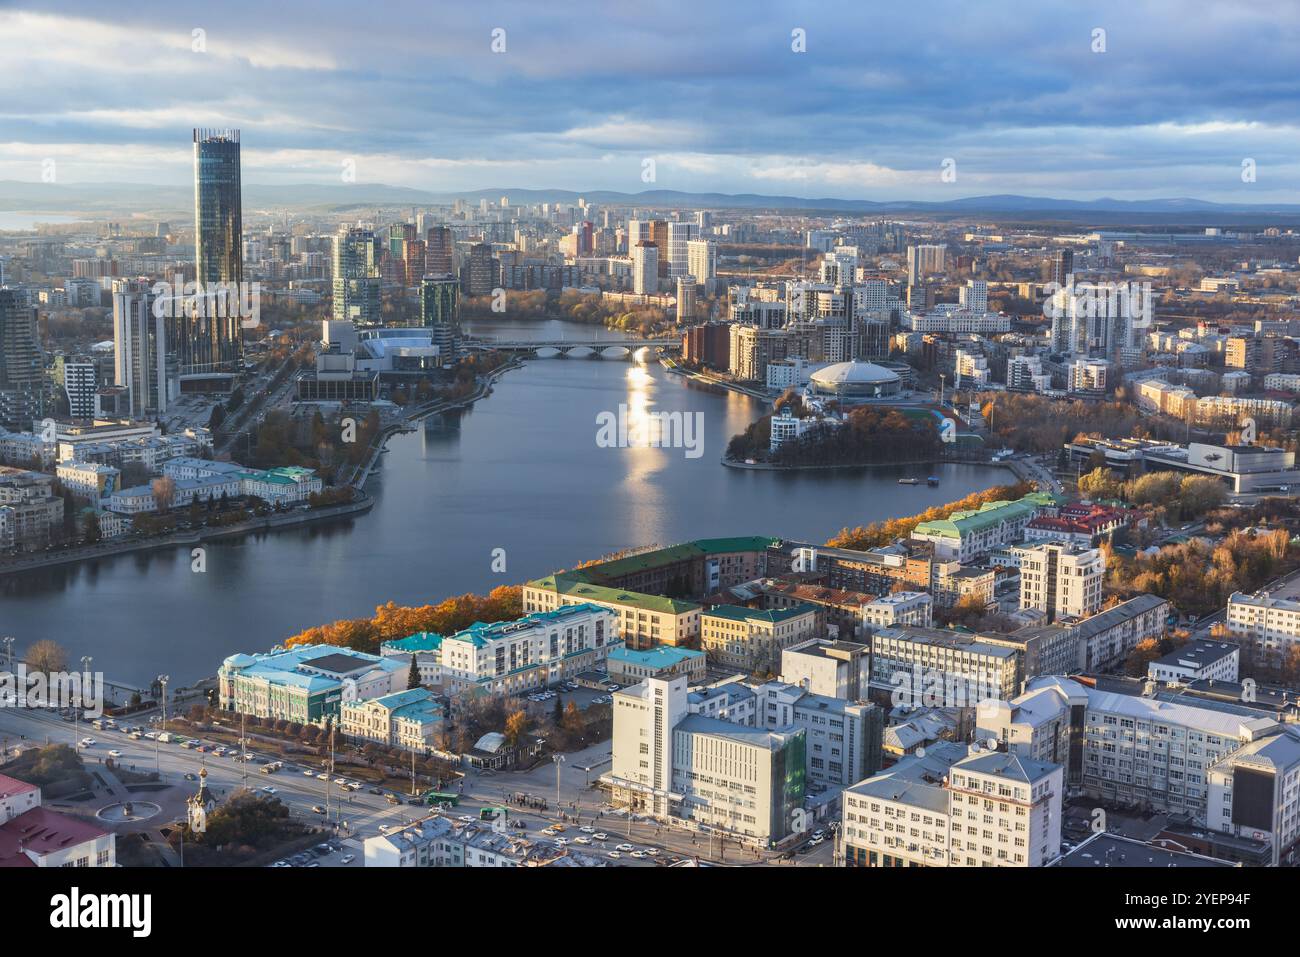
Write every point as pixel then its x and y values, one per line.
pixel 850 382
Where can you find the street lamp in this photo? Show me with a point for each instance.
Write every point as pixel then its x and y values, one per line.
pixel 558 759
pixel 162 728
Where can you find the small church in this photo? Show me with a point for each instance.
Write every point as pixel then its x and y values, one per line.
pixel 200 805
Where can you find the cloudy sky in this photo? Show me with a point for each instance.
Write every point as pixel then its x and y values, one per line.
pixel 413 94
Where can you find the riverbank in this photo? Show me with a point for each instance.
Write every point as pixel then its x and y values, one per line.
pixel 671 365
pixel 110 549
pixel 732 463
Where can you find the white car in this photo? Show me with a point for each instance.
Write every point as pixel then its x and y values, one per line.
pixel 269 790
pixel 87 742
pixel 310 774
pixel 115 753
pixel 624 847
pixel 582 840
pixel 340 782
pixel 466 819
pixel 587 829
pixel 614 854
pixel 322 776
pixel 639 855
pixel 600 836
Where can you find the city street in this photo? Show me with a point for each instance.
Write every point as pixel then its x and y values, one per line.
pixel 360 814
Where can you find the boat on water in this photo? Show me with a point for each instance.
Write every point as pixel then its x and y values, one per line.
pixel 909 481
pixel 932 481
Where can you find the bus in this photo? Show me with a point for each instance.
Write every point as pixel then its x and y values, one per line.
pixel 492 813
pixel 446 798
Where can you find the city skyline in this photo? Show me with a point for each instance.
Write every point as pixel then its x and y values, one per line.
pixel 1028 102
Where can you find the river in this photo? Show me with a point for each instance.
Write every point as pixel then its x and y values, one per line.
pixel 520 471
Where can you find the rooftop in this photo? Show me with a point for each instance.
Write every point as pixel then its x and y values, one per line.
pixel 1112 850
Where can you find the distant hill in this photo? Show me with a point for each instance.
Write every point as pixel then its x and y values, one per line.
pixel 99 199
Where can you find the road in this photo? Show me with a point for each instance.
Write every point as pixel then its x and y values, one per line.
pixel 361 814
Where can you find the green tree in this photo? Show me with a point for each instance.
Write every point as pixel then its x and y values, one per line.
pixel 413 676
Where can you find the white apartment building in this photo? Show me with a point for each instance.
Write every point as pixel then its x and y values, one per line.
pixel 835 669
pixel 974 296
pixel 1126 748
pixel 535 651
pixel 1255 794
pixel 900 608
pixel 1266 625
pixel 1199 660
pixel 1061 579
pixel 916 664
pixel 958 321
pixel 1088 375
pixel 955 807
pixel 702 260
pixel 645 268
pixel 842 738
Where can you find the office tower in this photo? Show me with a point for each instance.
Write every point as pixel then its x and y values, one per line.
pixel 924 261
pixel 140 362
pixel 702 260
pixel 703 219
pixel 440 311
pixel 413 261
pixel 974 295
pixel 645 268
pixel 22 366
pixel 207 342
pixel 586 238
pixel 481 272
pixel 685 300
pixel 439 252
pixel 356 277
pixel 679 236
pixel 398 234
pixel 1062 265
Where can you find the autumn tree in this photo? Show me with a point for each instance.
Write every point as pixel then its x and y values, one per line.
pixel 47 657
pixel 516 725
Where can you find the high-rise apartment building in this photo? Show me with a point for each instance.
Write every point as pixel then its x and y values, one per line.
pixel 439 252
pixel 702 260
pixel 925 261
pixel 140 351
pixel 356 277
pixel 645 268
pixel 680 236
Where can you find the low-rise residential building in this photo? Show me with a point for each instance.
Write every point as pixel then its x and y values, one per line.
pixel 29 510
pixel 403 719
pixel 1255 794
pixel 535 651
pixel 836 669
pixel 1137 749
pixel 842 738
pixel 1198 660
pixel 901 608
pixel 1266 625
pixel 32 835
pixel 955 807
pixel 438 841
pixel 89 480
pixel 931 667
pixel 751 639
pixel 643 621
pixel 305 684
pixel 629 666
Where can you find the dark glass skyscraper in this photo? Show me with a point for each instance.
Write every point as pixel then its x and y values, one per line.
pixel 22 366
pixel 209 343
